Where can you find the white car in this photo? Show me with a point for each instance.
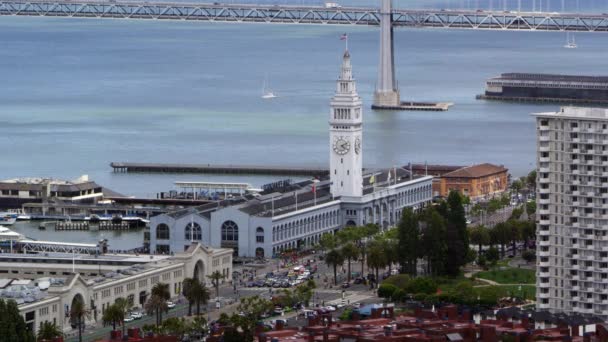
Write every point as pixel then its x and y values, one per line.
pixel 137 315
pixel 356 305
pixel 330 308
pixel 129 319
pixel 170 305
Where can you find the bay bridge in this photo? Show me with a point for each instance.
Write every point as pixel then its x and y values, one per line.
pixel 288 14
pixel 386 17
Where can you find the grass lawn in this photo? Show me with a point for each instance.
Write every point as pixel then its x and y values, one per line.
pixel 509 275
pixel 528 290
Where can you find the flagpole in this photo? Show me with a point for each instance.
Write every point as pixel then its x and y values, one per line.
pixel 296 195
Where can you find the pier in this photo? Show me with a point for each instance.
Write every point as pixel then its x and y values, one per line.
pixel 103 225
pixel 417 106
pixel 219 169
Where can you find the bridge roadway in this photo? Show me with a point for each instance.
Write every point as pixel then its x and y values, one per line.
pixel 217 12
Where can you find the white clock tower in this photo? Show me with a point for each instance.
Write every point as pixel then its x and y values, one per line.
pixel 345 136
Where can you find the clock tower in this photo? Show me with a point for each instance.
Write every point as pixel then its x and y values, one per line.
pixel 345 136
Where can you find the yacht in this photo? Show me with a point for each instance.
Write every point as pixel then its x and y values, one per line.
pixel 570 43
pixel 266 92
pixel 7 219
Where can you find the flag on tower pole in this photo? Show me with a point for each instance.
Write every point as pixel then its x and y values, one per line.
pixel 314 190
pixel 344 37
pixel 388 178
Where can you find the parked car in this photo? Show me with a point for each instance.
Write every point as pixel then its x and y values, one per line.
pixel 137 315
pixel 129 319
pixel 330 308
pixel 345 285
pixel 170 305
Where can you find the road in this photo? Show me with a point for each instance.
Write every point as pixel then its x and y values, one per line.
pixel 325 294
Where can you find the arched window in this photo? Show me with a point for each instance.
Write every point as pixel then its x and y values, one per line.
pixel 162 232
pixel 259 235
pixel 193 232
pixel 230 231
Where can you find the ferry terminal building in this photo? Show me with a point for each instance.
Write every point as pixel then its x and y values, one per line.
pixel 297 215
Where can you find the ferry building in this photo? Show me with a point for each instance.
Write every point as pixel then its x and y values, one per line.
pixel 297 215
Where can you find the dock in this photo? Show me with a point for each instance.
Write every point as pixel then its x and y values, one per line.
pixel 104 225
pixel 218 169
pixel 418 106
pixel 602 103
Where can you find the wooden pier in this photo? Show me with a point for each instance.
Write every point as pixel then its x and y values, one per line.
pixel 218 169
pixel 601 103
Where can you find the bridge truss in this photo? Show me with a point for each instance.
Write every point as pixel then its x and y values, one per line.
pixel 445 19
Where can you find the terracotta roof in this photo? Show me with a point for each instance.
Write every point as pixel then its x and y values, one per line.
pixel 476 171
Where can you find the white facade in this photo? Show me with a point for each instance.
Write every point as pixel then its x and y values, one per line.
pixel 345 136
pixel 572 213
pixel 97 293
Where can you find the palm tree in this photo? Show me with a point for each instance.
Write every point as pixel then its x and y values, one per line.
pixel 215 280
pixel 78 314
pixel 349 252
pixel 187 285
pixel 195 293
pixel 334 258
pixel 161 290
pixel 156 305
pixel 49 331
pixel 123 306
pixel 112 316
pixel 377 257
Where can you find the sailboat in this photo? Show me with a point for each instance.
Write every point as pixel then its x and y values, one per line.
pixel 570 44
pixel 266 92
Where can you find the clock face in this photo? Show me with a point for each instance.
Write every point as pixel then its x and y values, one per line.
pixel 341 146
pixel 357 146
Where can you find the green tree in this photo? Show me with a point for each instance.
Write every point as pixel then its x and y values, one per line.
pixel 409 242
pixel 248 314
pixel 457 235
pixel 195 293
pixel 112 315
pixel 12 324
pixel 78 315
pixel 156 305
pixel 328 242
pixel 515 228
pixel 516 213
pixel 124 307
pixel 528 232
pixel 531 180
pixel 377 256
pixel 434 241
pixel 349 252
pixel 492 255
pixel 215 281
pixel 386 290
pixel 501 235
pixel 175 327
pixel 334 258
pixel 516 186
pixel 529 256
pixel 531 207
pixel 479 236
pixel 49 331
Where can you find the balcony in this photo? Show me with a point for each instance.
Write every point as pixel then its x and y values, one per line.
pixel 544 148
pixel 544 243
pixel 543 295
pixel 544 222
pixel 544 274
pixel 543 264
pixel 543 169
pixel 544 138
pixel 543 201
pixel 543 306
pixel 576 288
pixel 544 160
pixel 543 190
pixel 544 212
pixel 544 253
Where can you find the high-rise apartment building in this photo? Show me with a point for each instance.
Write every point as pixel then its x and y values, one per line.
pixel 572 211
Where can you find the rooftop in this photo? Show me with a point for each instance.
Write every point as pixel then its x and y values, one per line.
pixel 577 113
pixel 476 171
pixel 551 78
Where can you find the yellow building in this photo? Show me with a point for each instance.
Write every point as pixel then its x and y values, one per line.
pixel 475 181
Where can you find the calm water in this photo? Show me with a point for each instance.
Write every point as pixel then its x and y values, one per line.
pixel 80 93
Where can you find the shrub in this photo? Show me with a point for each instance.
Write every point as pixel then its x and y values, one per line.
pixel 421 297
pixel 529 256
pixel 492 255
pixel 482 261
pixel 399 280
pixel 424 285
pixel 489 295
pixel 346 314
pixel 399 295
pixel 386 290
